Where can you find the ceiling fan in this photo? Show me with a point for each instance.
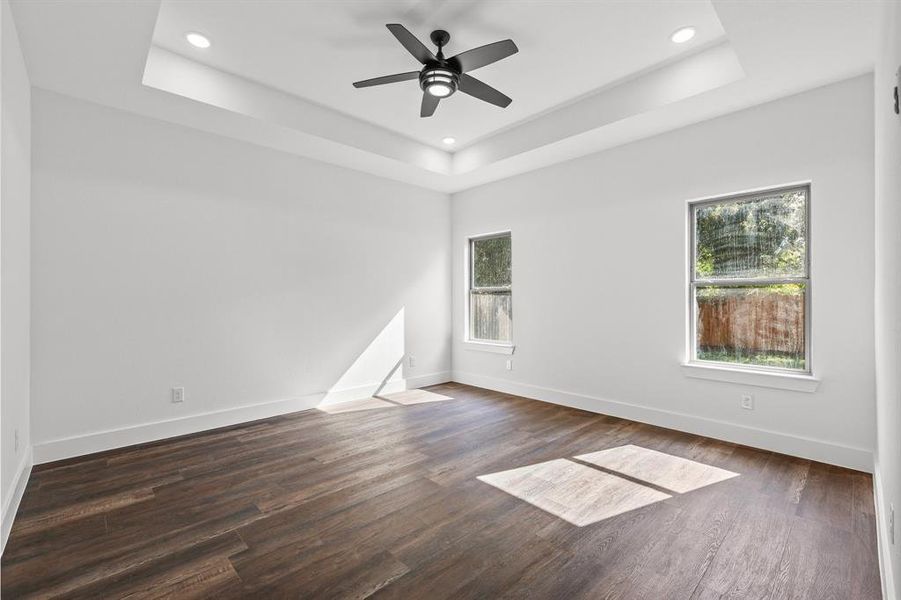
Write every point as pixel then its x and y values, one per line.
pixel 441 77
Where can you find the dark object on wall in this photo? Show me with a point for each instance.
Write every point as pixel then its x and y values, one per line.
pixel 896 100
pixel 441 77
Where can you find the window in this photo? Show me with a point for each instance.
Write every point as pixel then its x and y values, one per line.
pixel 490 289
pixel 750 280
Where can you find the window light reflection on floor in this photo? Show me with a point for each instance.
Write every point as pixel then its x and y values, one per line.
pixel 393 400
pixel 658 468
pixel 574 492
pixel 622 479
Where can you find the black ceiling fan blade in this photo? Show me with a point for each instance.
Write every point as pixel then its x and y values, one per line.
pixel 483 55
pixel 409 41
pixel 478 89
pixel 429 104
pixel 386 79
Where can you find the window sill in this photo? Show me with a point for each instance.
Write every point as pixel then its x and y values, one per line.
pixel 782 381
pixel 489 347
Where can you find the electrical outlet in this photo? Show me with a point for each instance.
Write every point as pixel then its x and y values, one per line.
pixel 178 394
pixel 747 401
pixel 411 360
pixel 509 364
pixel 16 436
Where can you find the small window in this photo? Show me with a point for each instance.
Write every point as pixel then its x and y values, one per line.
pixel 490 289
pixel 750 280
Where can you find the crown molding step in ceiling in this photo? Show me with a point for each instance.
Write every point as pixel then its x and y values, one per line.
pixel 586 76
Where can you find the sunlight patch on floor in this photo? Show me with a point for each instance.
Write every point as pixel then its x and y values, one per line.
pixel 393 400
pixel 616 481
pixel 409 397
pixel 573 492
pixel 355 405
pixel 658 468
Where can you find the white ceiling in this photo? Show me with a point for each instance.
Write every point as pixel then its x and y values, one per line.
pixel 315 50
pixel 279 73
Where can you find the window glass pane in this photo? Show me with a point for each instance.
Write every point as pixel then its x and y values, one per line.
pixel 752 325
pixel 491 262
pixel 490 316
pixel 762 236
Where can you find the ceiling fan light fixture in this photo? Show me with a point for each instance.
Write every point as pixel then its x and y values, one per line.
pixel 439 83
pixel 439 90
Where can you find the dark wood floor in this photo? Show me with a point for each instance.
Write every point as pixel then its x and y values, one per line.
pixel 386 503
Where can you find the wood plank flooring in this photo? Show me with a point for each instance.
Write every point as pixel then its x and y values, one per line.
pixel 386 501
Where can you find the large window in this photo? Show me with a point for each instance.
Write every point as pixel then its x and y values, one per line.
pixel 490 289
pixel 750 280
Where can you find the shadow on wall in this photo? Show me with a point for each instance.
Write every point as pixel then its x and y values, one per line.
pixel 375 379
pixel 377 370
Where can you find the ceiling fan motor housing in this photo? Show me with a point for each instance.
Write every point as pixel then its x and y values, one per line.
pixel 436 78
pixel 440 38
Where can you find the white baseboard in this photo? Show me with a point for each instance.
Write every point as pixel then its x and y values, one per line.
pixel 362 391
pixel 886 566
pixel 421 381
pixel 827 452
pixel 99 441
pixel 386 387
pixel 17 490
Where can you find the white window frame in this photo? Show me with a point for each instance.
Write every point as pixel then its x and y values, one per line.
pixel 694 282
pixel 469 341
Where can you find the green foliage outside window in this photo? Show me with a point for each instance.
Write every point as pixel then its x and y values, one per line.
pixel 491 262
pixel 750 279
pixel 756 238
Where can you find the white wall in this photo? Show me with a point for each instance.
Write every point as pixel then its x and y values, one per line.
pixel 15 218
pixel 888 295
pixel 164 256
pixel 599 274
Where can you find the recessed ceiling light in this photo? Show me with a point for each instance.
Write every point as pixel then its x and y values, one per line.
pixel 449 141
pixel 198 40
pixel 680 36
